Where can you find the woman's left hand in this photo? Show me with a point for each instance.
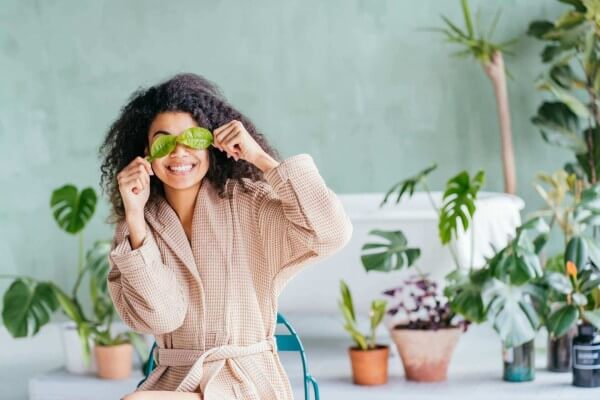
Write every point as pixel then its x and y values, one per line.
pixel 237 142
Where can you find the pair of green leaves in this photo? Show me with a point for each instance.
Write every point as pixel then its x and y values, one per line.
pixel 196 138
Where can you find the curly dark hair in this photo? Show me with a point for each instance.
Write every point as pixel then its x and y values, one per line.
pixel 203 100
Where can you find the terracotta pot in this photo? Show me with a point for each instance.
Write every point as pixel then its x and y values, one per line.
pixel 369 367
pixel 114 362
pixel 426 353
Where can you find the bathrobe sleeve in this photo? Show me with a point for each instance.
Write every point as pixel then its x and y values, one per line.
pixel 300 219
pixel 145 292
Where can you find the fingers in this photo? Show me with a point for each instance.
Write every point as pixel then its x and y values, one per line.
pixel 227 136
pixel 136 176
pixel 136 184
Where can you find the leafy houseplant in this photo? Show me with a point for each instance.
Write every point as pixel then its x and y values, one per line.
pixel 571 205
pixel 113 352
pixel 369 359
pixel 572 119
pixel 456 214
pixel 423 320
pixel 489 54
pixel 414 339
pixel 28 303
pixel 509 295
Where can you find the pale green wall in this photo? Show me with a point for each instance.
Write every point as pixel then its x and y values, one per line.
pixel 354 83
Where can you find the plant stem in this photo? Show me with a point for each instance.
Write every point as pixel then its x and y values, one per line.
pixel 498 78
pixel 589 140
pixel 80 266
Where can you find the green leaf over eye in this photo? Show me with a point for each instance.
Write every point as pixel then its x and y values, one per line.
pixel 196 138
pixel 161 147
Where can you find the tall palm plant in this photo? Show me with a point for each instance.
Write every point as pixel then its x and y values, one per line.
pixel 489 54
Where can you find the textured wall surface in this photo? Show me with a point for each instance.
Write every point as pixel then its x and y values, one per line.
pixel 358 84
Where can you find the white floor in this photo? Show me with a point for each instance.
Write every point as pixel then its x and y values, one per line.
pixel 475 371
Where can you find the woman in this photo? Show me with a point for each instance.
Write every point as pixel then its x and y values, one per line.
pixel 206 240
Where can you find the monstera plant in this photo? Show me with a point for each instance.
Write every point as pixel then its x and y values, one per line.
pixel 570 118
pixel 426 310
pixel 29 303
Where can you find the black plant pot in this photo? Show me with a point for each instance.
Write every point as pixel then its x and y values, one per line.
pixel 559 351
pixel 519 362
pixel 586 357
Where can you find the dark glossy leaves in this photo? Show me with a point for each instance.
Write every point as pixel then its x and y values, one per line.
pixel 562 319
pixel 559 126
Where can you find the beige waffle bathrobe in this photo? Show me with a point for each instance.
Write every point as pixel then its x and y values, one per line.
pixel 212 304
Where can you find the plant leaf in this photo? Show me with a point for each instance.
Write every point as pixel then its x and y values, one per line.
pixel 390 256
pixel 196 137
pixel 562 319
pixel 27 306
pixel 72 210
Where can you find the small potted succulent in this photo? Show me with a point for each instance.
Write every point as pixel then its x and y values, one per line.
pixel 423 327
pixel 369 359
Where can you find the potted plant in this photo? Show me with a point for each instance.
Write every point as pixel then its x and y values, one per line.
pixel 509 295
pixel 441 324
pixel 113 352
pixel 477 42
pixel 424 328
pixel 573 285
pixel 571 207
pixel 29 303
pixel 368 358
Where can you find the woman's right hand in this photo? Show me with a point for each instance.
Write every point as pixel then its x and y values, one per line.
pixel 134 185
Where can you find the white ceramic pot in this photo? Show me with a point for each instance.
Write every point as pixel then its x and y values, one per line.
pixel 73 352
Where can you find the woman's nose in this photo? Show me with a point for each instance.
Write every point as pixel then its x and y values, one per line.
pixel 180 149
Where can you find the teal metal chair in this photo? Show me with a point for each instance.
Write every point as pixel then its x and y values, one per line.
pixel 289 341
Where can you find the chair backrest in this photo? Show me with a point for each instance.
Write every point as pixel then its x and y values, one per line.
pixel 285 342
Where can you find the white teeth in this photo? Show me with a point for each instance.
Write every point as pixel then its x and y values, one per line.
pixel 181 168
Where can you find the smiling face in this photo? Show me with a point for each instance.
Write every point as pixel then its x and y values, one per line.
pixel 184 167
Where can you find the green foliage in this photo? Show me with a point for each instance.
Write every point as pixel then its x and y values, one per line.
pixel 72 210
pixel 407 186
pixel 28 306
pixel 391 256
pixel 458 204
pixel 196 138
pixel 572 53
pixel 346 305
pixel 475 43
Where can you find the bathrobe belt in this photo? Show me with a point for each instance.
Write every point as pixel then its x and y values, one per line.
pixel 197 358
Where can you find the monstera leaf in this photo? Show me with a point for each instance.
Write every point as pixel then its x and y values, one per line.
pixel 464 290
pixel 72 209
pixel 390 256
pixel 510 309
pixel 27 307
pixel 458 204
